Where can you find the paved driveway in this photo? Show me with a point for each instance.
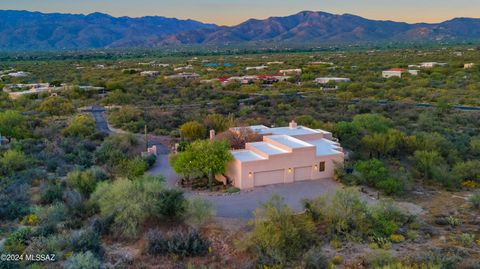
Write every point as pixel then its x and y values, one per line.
pixel 242 205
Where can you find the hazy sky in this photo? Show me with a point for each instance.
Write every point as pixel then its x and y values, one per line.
pixel 231 12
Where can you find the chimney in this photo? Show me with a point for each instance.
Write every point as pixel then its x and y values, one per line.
pixel 292 124
pixel 212 134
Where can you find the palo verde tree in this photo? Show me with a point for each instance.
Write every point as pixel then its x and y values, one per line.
pixel 11 124
pixel 204 158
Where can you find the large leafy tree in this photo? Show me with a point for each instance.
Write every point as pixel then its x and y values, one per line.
pixel 203 157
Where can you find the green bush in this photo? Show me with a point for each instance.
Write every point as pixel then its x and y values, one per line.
pixel 17 241
pixel 84 260
pixel 85 240
pixel 85 181
pixel 128 202
pixel 475 199
pixel 170 204
pixel 279 236
pixel 199 211
pixel 379 258
pixel 188 244
pixel 314 259
pixel 51 193
pixel 12 161
pixel 156 243
pixel 183 244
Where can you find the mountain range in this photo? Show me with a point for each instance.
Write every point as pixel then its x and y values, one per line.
pixel 24 30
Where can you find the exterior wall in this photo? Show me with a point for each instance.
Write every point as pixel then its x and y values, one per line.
pixel 243 174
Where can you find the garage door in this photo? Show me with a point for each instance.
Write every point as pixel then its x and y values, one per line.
pixel 269 177
pixel 302 173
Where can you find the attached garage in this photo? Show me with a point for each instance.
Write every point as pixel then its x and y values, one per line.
pixel 269 177
pixel 302 173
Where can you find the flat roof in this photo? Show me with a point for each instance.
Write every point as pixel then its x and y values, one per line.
pixel 267 148
pixel 289 141
pixel 246 155
pixel 299 130
pixel 325 147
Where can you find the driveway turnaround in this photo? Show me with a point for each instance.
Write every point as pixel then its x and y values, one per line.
pixel 242 204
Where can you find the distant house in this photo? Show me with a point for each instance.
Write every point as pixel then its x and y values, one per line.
pixel 320 63
pixel 242 79
pixel 398 72
pixel 19 74
pixel 468 66
pixel 290 71
pixel 431 64
pixel 183 76
pixel 327 80
pixel 286 155
pixel 261 67
pixel 181 68
pixel 276 62
pixel 149 73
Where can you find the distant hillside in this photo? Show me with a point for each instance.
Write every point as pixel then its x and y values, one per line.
pixel 23 30
pixel 321 27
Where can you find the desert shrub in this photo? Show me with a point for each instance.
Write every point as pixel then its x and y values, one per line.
pixel 475 199
pixel 12 161
pixel 150 160
pixel 379 258
pixel 54 213
pixel 347 215
pixel 85 240
pixel 279 236
pixel 199 211
pixel 314 259
pixel 101 225
pixel 156 243
pixel 467 239
pixel 51 193
pixel 170 204
pixel 17 241
pixel 397 238
pixel 14 201
pixel 386 219
pixel 84 260
pixel 30 220
pixel 453 221
pixel 232 190
pixel 128 202
pixel 374 173
pixel 132 168
pixel 188 244
pixel 85 181
pixel 315 207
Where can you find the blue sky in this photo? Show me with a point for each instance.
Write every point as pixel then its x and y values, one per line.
pixel 229 12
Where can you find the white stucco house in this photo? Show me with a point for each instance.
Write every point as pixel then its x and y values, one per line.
pixel 286 155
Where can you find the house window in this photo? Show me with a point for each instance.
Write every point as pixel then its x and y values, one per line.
pixel 322 167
